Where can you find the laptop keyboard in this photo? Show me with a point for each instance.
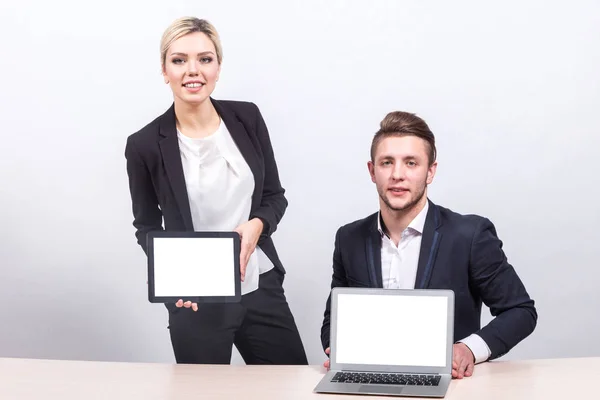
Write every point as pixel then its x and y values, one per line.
pixel 386 379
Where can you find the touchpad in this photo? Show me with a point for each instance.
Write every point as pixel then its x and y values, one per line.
pixel 380 389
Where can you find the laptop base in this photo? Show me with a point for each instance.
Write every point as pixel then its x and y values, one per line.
pixel 326 386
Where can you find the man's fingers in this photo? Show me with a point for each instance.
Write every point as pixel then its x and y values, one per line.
pixel 462 367
pixel 179 303
pixel 462 361
pixel 187 304
pixel 327 363
pixel 195 306
pixel 470 369
pixel 459 363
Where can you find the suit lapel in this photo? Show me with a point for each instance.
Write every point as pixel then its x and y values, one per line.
pixel 373 245
pixel 429 246
pixel 169 148
pixel 240 135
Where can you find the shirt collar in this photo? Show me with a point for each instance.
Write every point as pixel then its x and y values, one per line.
pixel 417 224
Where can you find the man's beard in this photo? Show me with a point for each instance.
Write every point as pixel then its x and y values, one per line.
pixel 407 206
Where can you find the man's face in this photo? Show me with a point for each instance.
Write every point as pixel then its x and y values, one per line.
pixel 401 171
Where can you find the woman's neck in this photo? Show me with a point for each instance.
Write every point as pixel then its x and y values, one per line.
pixel 196 120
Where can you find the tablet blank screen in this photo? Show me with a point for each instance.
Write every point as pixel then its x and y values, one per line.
pixel 189 267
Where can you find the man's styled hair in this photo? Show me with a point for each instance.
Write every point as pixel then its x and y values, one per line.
pixel 399 124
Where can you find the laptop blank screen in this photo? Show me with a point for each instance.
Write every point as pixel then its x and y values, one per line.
pixel 391 330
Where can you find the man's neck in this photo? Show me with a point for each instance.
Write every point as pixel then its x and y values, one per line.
pixel 397 221
pixel 196 120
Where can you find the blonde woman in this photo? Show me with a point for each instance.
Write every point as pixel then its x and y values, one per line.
pixel 208 165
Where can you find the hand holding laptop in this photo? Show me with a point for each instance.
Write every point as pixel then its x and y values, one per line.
pixel 326 363
pixel 463 361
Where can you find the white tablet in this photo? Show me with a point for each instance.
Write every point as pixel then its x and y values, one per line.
pixel 194 266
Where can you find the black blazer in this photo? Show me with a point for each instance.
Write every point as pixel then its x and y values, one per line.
pixel 458 252
pixel 157 183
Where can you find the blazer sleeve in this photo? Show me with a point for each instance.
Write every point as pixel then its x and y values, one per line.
pixel 338 279
pixel 146 212
pixel 273 202
pixel 501 289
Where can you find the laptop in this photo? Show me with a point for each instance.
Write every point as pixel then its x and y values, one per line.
pixel 390 342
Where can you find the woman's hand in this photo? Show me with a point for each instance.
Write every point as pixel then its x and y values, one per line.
pixel 187 304
pixel 249 233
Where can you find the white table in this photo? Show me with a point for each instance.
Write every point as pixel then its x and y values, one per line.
pixel 25 379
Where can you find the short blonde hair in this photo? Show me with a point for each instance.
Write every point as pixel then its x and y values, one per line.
pixel 184 26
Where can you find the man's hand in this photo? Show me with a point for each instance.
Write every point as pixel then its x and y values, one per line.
pixel 249 233
pixel 463 361
pixel 326 363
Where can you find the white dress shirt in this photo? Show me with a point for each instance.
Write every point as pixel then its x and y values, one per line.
pixel 219 185
pixel 399 269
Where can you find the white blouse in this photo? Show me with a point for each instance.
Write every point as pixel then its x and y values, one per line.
pixel 220 185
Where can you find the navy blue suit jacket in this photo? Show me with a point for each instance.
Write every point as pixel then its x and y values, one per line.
pixel 458 252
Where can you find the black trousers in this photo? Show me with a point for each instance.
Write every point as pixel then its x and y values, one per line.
pixel 261 327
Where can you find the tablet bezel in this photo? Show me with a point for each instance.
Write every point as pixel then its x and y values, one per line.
pixel 194 299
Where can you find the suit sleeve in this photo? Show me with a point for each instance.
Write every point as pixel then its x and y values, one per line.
pixel 501 289
pixel 338 279
pixel 146 213
pixel 273 203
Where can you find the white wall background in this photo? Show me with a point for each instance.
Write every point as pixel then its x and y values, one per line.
pixel 511 90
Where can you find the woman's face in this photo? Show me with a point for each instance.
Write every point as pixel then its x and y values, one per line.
pixel 191 68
